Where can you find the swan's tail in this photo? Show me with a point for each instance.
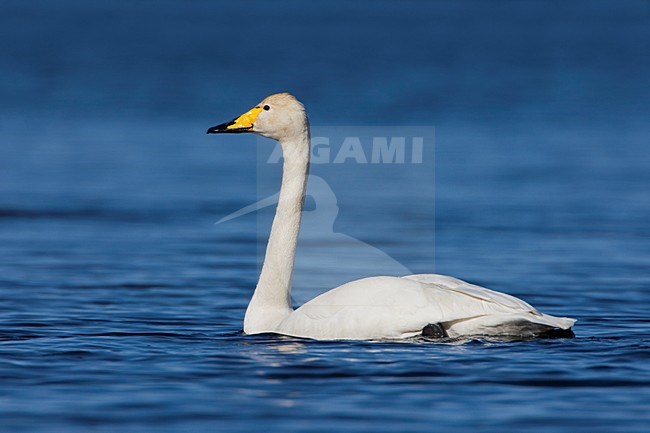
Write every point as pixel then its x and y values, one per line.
pixel 512 325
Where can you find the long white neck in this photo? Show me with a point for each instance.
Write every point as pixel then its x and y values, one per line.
pixel 271 302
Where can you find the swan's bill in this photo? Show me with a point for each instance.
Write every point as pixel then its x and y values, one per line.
pixel 243 123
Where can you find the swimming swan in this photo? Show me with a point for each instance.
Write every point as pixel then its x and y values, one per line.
pixel 371 308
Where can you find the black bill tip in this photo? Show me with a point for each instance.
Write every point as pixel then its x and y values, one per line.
pixel 220 129
pixel 223 129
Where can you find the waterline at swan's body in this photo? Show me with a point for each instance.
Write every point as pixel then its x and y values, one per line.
pixel 371 308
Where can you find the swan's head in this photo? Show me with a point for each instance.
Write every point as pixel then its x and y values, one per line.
pixel 280 117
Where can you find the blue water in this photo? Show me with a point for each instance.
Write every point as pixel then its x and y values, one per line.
pixel 121 303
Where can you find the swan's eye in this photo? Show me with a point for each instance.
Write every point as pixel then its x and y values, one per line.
pixel 266 108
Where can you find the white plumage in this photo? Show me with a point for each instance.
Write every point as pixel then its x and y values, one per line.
pixel 380 307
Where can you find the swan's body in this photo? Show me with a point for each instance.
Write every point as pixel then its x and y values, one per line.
pixel 394 307
pixel 371 308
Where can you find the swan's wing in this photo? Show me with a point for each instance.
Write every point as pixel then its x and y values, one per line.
pixel 510 315
pixel 474 291
pixel 391 307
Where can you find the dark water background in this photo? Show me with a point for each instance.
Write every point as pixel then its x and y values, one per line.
pixel 121 304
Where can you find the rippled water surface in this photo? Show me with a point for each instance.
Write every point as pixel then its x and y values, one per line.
pixel 121 303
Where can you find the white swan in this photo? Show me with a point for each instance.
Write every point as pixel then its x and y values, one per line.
pixel 371 308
